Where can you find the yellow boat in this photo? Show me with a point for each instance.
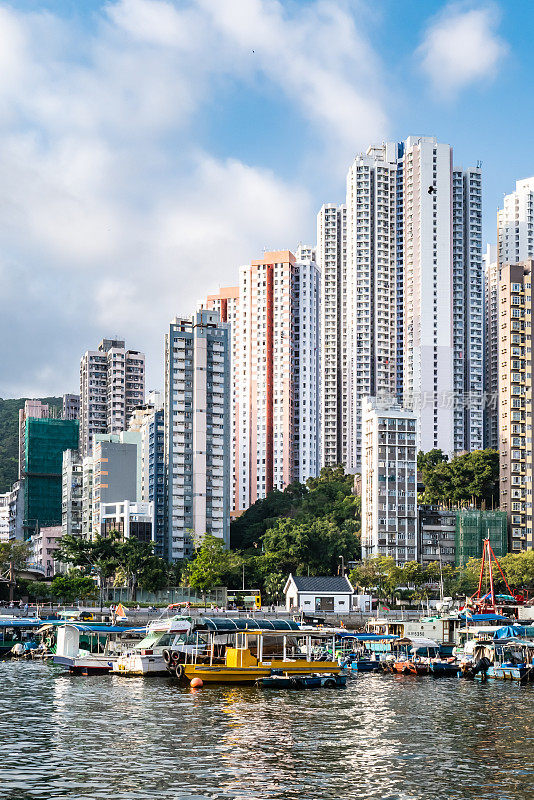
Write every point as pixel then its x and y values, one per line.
pixel 243 650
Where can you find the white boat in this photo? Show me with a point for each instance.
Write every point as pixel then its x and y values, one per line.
pixel 91 649
pixel 146 657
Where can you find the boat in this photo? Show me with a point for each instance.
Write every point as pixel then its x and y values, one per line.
pixel 414 654
pixel 91 649
pixel 240 651
pixel 503 660
pixel 16 631
pixel 363 652
pixel 302 682
pixel 149 656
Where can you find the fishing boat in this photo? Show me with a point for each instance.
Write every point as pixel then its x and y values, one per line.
pixel 240 651
pixel 16 631
pixel 91 649
pixel 363 652
pixel 413 657
pixel 302 682
pixel 150 655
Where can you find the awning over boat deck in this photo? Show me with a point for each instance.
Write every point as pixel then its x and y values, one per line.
pixel 367 637
pixel 104 628
pixel 21 623
pixel 418 642
pixel 227 625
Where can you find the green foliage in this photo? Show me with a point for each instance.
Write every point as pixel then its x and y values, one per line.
pixel 212 565
pixel 467 477
pixel 15 553
pixel 129 561
pixel 303 530
pixel 9 438
pixel 73 586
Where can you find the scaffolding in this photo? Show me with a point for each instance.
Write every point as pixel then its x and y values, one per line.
pixel 45 440
pixel 473 527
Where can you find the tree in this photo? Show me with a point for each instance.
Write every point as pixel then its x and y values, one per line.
pixel 379 573
pixel 73 586
pixel 469 477
pixel 211 565
pixel 312 547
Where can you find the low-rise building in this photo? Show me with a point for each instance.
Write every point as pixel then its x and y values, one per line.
pixel 389 475
pixel 43 545
pixel 318 594
pixel 437 535
pixel 4 517
pixel 129 520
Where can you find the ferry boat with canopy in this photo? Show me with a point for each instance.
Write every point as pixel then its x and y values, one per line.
pixel 243 650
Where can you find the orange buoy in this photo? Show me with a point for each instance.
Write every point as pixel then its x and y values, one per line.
pixel 197 683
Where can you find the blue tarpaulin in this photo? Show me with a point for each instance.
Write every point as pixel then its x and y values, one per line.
pixel 514 631
pixel 484 618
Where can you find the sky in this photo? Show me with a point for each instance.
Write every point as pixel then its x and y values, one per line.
pixel 150 147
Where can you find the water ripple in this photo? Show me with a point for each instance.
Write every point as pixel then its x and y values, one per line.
pixel 387 737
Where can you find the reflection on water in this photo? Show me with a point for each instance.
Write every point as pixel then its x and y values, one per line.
pixel 387 737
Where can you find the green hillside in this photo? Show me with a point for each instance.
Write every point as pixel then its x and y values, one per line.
pixel 9 437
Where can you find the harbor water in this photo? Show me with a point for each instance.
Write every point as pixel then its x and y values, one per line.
pixel 384 736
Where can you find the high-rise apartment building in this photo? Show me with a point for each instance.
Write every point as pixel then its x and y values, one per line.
pixel 515 399
pixel 112 474
pixel 411 294
pixel 226 302
pixel 389 482
pixel 515 224
pixel 274 319
pixel 112 384
pixel 34 409
pixel 491 348
pixel 4 517
pixel 468 310
pixel 45 441
pixel 197 431
pixel 371 290
pixel 72 493
pixel 148 421
pixel 331 256
pixel 71 406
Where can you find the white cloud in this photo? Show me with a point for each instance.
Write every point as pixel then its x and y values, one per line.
pixel 112 218
pixel 461 47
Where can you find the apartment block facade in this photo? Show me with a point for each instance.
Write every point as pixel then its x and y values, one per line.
pixel 274 321
pixel 515 400
pixel 515 224
pixel 407 323
pixel 197 431
pixel 491 348
pixel 112 384
pixel 389 482
pixel 331 256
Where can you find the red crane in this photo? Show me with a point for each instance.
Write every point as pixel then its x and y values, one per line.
pixel 487 557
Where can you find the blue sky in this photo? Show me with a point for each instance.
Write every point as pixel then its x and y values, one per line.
pixel 149 147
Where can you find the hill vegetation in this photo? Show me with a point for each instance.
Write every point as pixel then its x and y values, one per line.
pixel 9 437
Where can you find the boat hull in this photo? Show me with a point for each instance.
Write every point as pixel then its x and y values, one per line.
pixel 153 665
pixel 249 675
pixel 303 682
pixel 507 673
pixel 85 666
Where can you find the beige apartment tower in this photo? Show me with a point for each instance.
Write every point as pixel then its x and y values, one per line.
pixel 112 384
pixel 515 400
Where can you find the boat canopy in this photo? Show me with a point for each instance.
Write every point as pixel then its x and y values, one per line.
pixel 514 631
pixel 418 641
pixel 104 628
pixel 21 623
pixel 367 637
pixel 484 617
pixel 246 624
